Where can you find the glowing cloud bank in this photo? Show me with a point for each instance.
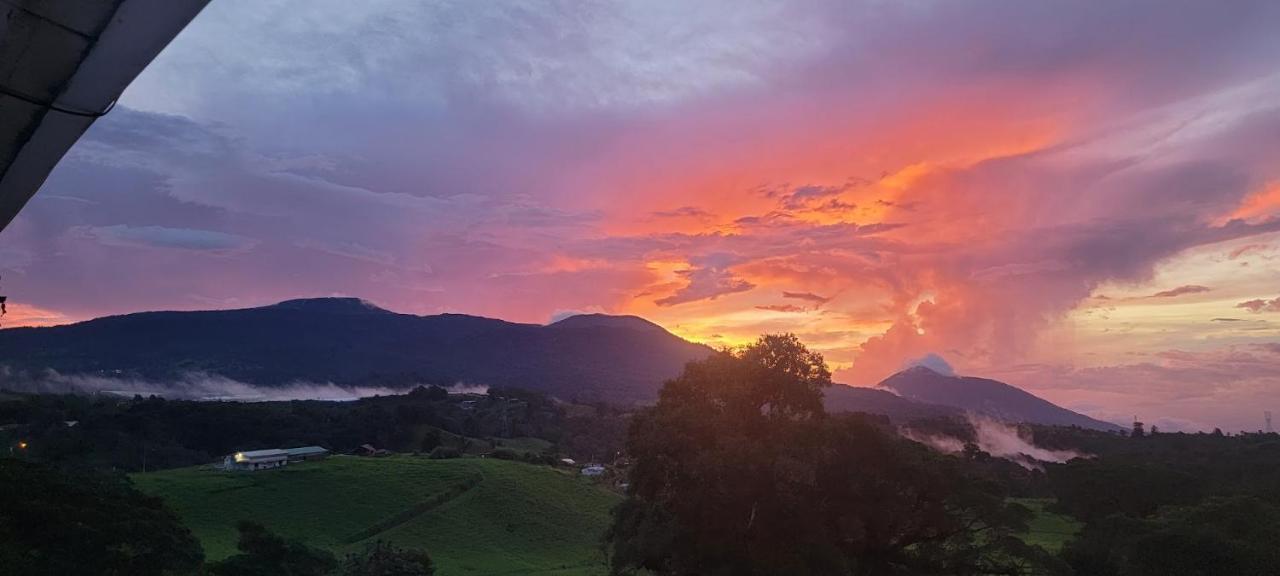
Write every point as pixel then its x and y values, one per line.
pixel 1057 195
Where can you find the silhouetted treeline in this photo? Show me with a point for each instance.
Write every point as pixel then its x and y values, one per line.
pixel 153 433
pixel 1180 504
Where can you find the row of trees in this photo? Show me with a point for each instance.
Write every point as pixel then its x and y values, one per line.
pixel 1174 504
pixel 263 553
pixel 154 433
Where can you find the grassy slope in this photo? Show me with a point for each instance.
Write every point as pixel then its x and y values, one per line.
pixel 475 516
pixel 1049 530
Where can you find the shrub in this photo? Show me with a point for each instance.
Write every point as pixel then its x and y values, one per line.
pixel 444 453
pixel 505 454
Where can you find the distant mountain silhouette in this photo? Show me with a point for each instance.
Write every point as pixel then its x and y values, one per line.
pixel 990 397
pixel 841 398
pixel 348 341
pixel 606 321
pixel 620 359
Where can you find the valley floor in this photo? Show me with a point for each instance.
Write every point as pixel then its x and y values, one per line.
pixel 474 516
pixel 1048 529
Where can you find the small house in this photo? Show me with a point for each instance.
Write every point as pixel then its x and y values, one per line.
pixel 256 460
pixel 369 450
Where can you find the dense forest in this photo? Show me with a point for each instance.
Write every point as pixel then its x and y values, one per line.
pixel 134 434
pixel 738 469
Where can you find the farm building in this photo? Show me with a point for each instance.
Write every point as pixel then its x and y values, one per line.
pixel 273 458
pixel 256 460
pixel 369 450
pixel 306 453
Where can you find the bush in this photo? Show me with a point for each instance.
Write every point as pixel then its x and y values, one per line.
pixel 444 453
pixel 431 440
pixel 264 553
pixel 540 458
pixel 382 559
pixel 505 454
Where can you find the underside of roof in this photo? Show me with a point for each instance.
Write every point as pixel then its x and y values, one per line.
pixel 63 63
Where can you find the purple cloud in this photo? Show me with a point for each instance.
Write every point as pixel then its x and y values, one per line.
pixel 707 280
pixel 1260 305
pixel 162 237
pixel 1181 290
pixel 807 297
pixel 788 308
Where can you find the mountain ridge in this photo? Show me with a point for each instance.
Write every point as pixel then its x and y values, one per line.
pixel 349 341
pixel 597 320
pixel 985 396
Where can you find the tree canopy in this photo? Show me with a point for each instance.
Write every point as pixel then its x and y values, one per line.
pixel 56 522
pixel 738 470
pixel 264 553
pixel 383 559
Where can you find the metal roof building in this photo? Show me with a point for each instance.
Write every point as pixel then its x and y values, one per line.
pixel 272 458
pixel 256 459
pixel 306 453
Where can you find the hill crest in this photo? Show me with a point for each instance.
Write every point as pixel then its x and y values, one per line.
pixel 348 341
pixel 606 321
pixel 985 396
pixel 331 304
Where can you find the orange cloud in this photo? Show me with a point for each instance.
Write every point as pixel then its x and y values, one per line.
pixel 1259 205
pixel 24 315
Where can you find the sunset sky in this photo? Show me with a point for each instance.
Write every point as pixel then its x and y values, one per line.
pixel 1078 198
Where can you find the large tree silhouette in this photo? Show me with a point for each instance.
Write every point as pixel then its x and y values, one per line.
pixel 738 470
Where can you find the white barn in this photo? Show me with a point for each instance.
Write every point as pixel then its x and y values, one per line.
pixel 306 453
pixel 273 458
pixel 256 459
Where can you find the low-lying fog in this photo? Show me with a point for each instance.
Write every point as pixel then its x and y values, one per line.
pixel 1000 440
pixel 199 386
pixel 994 437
